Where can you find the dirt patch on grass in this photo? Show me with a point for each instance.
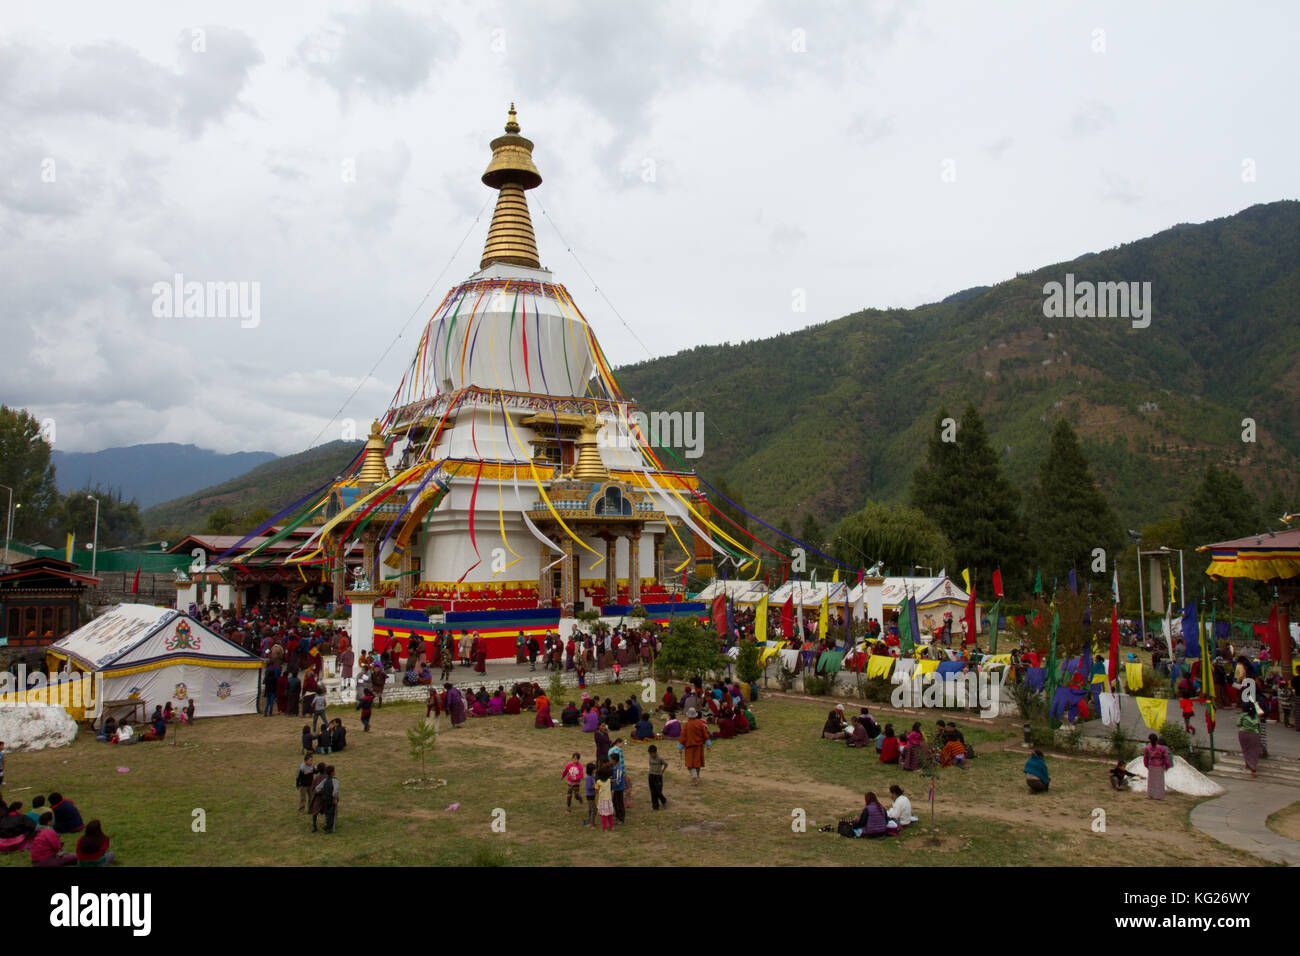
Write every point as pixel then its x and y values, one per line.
pixel 1286 822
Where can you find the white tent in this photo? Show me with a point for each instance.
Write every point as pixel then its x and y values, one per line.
pixel 156 655
pixel 933 596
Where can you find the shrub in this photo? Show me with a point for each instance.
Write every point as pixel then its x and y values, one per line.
pixel 817 686
pixel 1032 705
pixel 588 615
pixel 637 611
pixel 1041 734
pixel 747 666
pixel 878 689
pixel 1120 746
pixel 1176 739
pixel 341 614
pixel 1074 739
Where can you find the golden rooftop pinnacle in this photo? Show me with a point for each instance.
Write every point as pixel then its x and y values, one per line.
pixel 374 469
pixel 511 171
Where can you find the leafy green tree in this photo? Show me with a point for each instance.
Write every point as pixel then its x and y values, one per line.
pixel 747 666
pixel 220 521
pixel 810 531
pixel 26 468
pixel 1069 516
pixel 1220 509
pixel 689 650
pixel 120 524
pixel 962 487
pixel 896 535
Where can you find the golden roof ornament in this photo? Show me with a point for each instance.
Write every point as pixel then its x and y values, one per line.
pixel 374 469
pixel 589 466
pixel 511 171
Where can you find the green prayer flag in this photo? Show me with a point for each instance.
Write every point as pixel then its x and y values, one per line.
pixel 1038 582
pixel 906 639
pixel 993 626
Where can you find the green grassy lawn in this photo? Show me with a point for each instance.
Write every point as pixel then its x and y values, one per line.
pixel 240 772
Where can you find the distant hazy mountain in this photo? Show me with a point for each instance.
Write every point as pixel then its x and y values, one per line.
pixel 152 473
pixel 271 485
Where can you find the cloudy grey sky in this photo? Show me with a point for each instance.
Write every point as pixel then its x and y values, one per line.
pixel 703 162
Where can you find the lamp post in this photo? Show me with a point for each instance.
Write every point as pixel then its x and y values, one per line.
pixel 94 547
pixel 1142 610
pixel 9 520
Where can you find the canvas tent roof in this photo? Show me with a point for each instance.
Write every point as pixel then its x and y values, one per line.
pixel 139 635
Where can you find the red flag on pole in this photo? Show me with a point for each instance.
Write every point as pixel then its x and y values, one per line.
pixel 1272 635
pixel 135 585
pixel 1229 594
pixel 720 614
pixel 787 617
pixel 1112 668
pixel 997 583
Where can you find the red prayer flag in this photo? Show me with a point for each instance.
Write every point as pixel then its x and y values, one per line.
pixel 787 617
pixel 135 585
pixel 1230 594
pixel 1272 635
pixel 720 614
pixel 997 583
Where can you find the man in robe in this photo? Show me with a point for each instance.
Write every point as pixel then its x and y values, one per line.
pixel 693 741
pixel 455 705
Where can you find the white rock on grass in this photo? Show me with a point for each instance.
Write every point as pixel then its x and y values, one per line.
pixel 1182 777
pixel 30 727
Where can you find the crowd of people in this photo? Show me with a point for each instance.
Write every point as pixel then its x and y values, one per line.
pixel 40 831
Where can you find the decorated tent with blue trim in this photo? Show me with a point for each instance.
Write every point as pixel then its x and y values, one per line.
pixel 156 655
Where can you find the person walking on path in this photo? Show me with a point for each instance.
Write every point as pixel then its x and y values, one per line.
pixel 1157 760
pixel 1248 736
pixel 318 711
pixel 657 767
pixel 694 739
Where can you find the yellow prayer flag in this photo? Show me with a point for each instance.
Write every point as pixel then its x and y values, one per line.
pixel 965 576
pixel 823 617
pixel 836 576
pixel 72 537
pixel 1153 710
pixel 760 620
pixel 1133 676
pixel 1171 583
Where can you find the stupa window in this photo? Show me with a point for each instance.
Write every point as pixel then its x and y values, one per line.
pixel 612 502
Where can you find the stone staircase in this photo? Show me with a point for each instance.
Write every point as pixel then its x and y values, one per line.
pixel 1276 769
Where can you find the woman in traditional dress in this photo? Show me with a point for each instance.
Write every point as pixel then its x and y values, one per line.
pixel 455 706
pixel 282 693
pixel 1036 775
pixel 914 752
pixel 1157 760
pixel 1248 736
pixel 346 659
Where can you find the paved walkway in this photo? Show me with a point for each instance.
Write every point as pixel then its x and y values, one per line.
pixel 1238 818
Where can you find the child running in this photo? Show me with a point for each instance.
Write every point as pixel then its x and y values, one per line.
pixel 657 767
pixel 605 798
pixel 572 776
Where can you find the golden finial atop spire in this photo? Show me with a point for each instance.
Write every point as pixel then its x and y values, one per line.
pixel 511 170
pixel 373 468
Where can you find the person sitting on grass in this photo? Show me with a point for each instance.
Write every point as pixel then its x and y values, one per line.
pixel 157 732
pixel 873 821
pixel 38 809
pixel 858 736
pixel 569 716
pixel 46 848
pixel 107 729
pixel 833 729
pixel 673 729
pixel 1119 776
pixel 543 720
pixel 308 739
pixel 954 752
pixel 900 811
pixel 1036 776
pixel 644 730
pixel 168 714
pixel 92 848
pixel 125 735
pixel 338 736
pixel 889 745
pixel 915 753
pixel 67 818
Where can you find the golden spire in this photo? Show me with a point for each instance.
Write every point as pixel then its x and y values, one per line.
pixel 589 466
pixel 374 469
pixel 511 171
